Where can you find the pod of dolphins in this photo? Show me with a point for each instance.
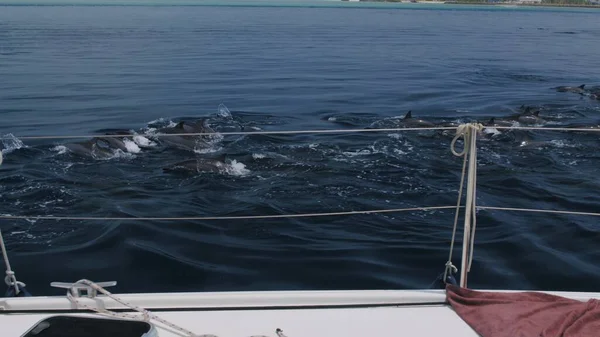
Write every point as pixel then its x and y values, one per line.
pixel 104 147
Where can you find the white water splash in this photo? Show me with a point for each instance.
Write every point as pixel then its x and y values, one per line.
pixel 561 143
pixel 131 146
pixel 364 152
pixel 143 141
pixel 156 121
pixel 11 143
pixel 61 149
pixel 224 112
pixel 204 150
pixel 120 154
pixel 492 131
pixel 236 168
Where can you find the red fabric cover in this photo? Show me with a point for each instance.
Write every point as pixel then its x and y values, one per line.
pixel 524 314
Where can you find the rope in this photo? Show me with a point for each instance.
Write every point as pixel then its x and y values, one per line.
pixel 241 217
pixel 10 279
pixel 468 133
pixel 537 210
pixel 147 316
pixel 542 128
pixel 281 132
pixel 473 180
pixel 460 132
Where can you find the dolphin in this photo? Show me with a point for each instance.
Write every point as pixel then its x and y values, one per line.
pixel 198 165
pixel 499 121
pixel 412 122
pixel 529 110
pixel 577 90
pixel 186 142
pixel 89 148
pixel 527 115
pixel 524 139
pixel 114 142
pixel 530 116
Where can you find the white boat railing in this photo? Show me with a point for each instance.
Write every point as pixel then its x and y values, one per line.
pixel 468 132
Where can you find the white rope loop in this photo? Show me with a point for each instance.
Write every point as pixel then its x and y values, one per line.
pixel 147 316
pixel 468 132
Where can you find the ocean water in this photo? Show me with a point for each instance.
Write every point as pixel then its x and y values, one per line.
pixel 251 66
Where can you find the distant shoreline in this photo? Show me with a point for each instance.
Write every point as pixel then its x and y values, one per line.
pixel 500 4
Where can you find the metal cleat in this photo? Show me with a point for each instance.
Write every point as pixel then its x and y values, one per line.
pixel 79 290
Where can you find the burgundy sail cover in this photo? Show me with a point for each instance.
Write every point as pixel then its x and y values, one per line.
pixel 525 314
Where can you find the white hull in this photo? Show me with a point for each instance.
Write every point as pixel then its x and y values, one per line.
pixel 296 313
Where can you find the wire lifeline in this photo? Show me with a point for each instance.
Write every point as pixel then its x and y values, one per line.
pixel 280 132
pixel 241 217
pixel 536 210
pixel 325 131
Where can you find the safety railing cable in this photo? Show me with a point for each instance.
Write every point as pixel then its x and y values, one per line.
pixel 294 132
pixel 230 133
pixel 240 217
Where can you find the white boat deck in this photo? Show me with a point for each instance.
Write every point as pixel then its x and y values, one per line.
pixel 296 313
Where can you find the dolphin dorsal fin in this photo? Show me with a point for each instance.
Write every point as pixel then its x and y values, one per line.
pixel 581 86
pixel 408 115
pixel 536 113
pixel 492 121
pixel 179 125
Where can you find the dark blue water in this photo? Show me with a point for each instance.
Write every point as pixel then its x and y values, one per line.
pixel 84 70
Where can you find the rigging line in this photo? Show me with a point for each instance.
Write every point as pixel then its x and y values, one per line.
pixel 460 132
pixel 536 210
pixel 280 132
pixel 241 217
pixel 10 279
pixel 292 132
pixel 542 128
